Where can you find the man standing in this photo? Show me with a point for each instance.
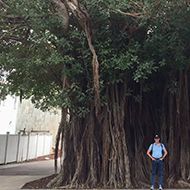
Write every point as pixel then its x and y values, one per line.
pixel 157 159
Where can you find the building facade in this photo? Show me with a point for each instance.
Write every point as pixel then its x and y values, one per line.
pixel 16 116
pixel 8 114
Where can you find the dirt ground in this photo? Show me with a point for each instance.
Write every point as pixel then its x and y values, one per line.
pixel 39 183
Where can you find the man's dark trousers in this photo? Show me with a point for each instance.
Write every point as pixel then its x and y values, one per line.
pixel 155 164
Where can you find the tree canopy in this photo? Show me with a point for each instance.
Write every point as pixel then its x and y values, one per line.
pixel 41 44
pixel 120 68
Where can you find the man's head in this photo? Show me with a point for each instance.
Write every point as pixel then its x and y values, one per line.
pixel 156 138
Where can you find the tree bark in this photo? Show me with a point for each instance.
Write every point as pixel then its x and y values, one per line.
pixel 97 155
pixel 86 23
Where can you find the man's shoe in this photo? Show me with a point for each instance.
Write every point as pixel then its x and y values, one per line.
pixel 152 188
pixel 160 187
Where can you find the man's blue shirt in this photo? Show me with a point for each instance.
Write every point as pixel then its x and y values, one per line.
pixel 157 150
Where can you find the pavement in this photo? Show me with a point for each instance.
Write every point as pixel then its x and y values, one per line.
pixel 14 176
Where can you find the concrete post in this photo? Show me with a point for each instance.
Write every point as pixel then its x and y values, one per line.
pixel 28 145
pixel 50 146
pixel 36 145
pixel 6 147
pixel 18 145
pixel 44 143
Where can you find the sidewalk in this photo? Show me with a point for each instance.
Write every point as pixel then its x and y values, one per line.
pixel 14 176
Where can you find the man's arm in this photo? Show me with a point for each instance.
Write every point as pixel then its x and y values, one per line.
pixel 148 153
pixel 165 153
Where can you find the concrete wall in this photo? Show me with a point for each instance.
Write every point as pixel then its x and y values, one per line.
pixel 22 150
pixel 17 148
pixel 8 112
pixel 12 147
pixel 30 118
pixel 2 148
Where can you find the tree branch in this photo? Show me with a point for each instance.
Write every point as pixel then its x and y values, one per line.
pixel 187 3
pixel 139 9
pixel 1 38
pixel 84 20
pixel 11 37
pixel 137 5
pixel 137 15
pixel 4 4
pixel 62 12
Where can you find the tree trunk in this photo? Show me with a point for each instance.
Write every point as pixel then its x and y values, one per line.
pixel 183 121
pixel 85 22
pixel 113 155
pixel 95 155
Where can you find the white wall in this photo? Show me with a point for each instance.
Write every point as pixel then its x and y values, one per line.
pixel 17 148
pixel 12 148
pixel 22 149
pixel 30 118
pixel 3 139
pixel 15 116
pixel 8 112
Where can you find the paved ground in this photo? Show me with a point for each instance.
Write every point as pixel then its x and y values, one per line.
pixel 14 176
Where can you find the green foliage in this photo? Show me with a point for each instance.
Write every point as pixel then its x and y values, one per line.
pixel 38 53
pixel 144 70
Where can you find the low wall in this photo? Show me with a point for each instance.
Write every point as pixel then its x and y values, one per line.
pixel 17 148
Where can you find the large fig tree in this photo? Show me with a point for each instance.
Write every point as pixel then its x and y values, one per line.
pixel 118 69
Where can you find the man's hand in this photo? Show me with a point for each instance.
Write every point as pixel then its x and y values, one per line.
pixel 165 153
pixel 148 153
